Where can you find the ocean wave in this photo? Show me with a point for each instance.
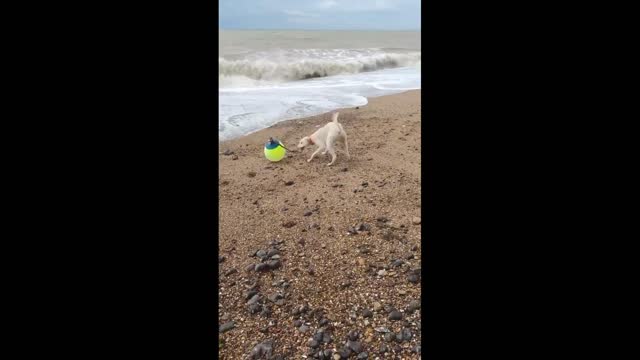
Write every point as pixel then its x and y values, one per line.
pixel 278 69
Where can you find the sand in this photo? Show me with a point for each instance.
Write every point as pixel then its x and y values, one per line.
pixel 326 264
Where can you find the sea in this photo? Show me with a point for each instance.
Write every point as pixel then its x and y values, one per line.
pixel 270 76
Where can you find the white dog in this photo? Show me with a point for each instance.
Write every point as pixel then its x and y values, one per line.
pixel 325 138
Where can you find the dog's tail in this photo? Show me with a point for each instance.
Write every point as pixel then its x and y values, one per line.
pixel 334 117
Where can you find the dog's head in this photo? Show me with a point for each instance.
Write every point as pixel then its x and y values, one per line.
pixel 304 142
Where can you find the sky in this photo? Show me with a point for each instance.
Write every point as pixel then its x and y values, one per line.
pixel 320 14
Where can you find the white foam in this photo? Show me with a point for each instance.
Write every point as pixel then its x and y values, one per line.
pixel 243 110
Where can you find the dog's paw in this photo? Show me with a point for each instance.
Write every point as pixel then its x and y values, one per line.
pixel 309 160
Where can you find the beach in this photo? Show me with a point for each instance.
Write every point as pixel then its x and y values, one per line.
pixel 337 248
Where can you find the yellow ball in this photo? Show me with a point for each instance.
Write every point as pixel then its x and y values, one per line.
pixel 273 151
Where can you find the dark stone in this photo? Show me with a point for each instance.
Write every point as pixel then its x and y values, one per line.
pixel 266 311
pixel 318 336
pixel 221 259
pixel 262 350
pixel 308 213
pixel 383 348
pixel 275 297
pixel 289 224
pixel 397 263
pixel 255 308
pixel 406 334
pixel 227 326
pixel 289 183
pixel 303 328
pixel 273 264
pixel 326 338
pixel 234 157
pixel 395 315
pixel 363 355
pixel 261 254
pixel 262 267
pixel 297 323
pixel 390 336
pixel 250 294
pixel 250 267
pixel 254 299
pixel 413 306
pixel 345 352
pixel 355 346
pixel 230 271
pixel 313 344
pixel 417 349
pixel 414 248
pixel 399 337
pixel 227 152
pixel 367 313
pixel 324 322
pixel 413 278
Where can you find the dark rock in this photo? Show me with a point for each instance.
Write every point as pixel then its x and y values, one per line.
pixel 289 224
pixel 390 336
pixel 275 297
pixel 266 311
pixel 262 267
pixel 234 157
pixel 261 254
pixel 303 328
pixel 255 308
pixel 250 267
pixel 367 313
pixel 262 350
pixel 351 230
pixel 414 248
pixel 318 336
pixel 289 183
pixel 353 335
pixel 363 227
pixel 406 334
pixel 230 271
pixel 227 152
pixel 324 322
pixel 397 349
pixel 383 348
pixel 273 264
pixel 395 315
pixel 250 294
pixel 297 323
pixel 345 352
pixel 363 355
pixel 326 338
pixel 227 326
pixel 365 184
pixel 399 337
pixel 413 278
pixel 308 213
pixel 273 251
pixel 413 306
pixel 355 346
pixel 313 344
pixel 344 169
pixel 221 259
pixel 252 174
pixel 254 299
pixel 410 256
pixel 417 349
pixel 397 263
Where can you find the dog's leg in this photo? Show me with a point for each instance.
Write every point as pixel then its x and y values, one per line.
pixel 332 151
pixel 346 146
pixel 314 154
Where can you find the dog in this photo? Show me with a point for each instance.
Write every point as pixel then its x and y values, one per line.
pixel 326 138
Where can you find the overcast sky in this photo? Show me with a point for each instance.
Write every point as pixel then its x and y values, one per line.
pixel 320 14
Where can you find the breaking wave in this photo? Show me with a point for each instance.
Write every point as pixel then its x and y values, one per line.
pixel 280 69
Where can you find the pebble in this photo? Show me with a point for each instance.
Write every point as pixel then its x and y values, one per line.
pixel 416 220
pixel 355 346
pixel 234 157
pixel 272 252
pixel 261 254
pixel 337 357
pixel 254 308
pixel 221 259
pixel 275 257
pixel 313 344
pixel 254 299
pixel 250 267
pixel 289 183
pixel 413 306
pixel 397 263
pixel 367 313
pixel 264 349
pixel 377 306
pixel 417 349
pixel 297 323
pixel 230 271
pixel 382 272
pixel 413 278
pixel 402 292
pixel 353 335
pixel 414 248
pixel 383 349
pixel 252 174
pixel 324 322
pixel 273 264
pixel 227 152
pixel 289 224
pixel 326 338
pixel 303 329
pixel 363 355
pixel 262 267
pixel 395 315
pixel 308 213
pixel 227 326
pixel 388 337
pixel 345 352
pixel 399 337
pixel 406 334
